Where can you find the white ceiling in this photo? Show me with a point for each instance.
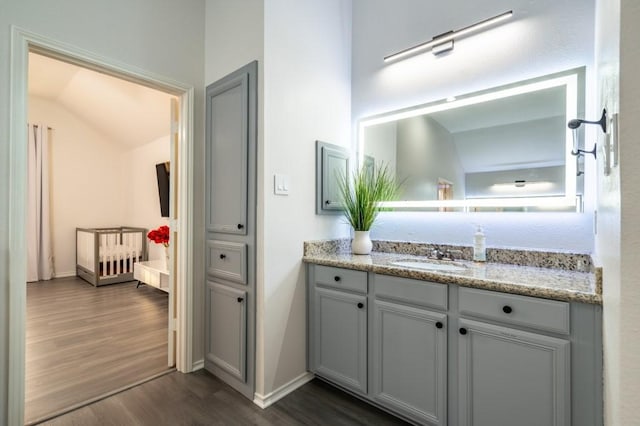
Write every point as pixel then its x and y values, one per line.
pixel 130 114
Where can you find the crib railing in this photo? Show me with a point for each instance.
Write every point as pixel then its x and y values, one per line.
pixel 108 255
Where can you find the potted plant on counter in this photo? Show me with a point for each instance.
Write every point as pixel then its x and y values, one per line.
pixel 360 195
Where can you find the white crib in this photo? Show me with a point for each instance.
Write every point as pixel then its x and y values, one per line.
pixel 107 255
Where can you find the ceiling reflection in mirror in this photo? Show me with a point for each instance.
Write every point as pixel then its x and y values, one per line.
pixel 502 149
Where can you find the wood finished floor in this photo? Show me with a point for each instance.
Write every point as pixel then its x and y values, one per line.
pixel 84 341
pixel 199 398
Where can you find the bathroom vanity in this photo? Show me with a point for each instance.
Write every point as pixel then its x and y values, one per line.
pixel 455 342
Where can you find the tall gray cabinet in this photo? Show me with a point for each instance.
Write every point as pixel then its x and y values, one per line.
pixel 230 220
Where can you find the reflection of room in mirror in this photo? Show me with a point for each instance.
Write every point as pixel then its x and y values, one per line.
pixel 514 145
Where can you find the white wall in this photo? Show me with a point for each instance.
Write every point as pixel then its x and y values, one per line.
pixel 543 37
pixel 86 180
pixel 141 206
pixel 164 37
pixel 307 98
pixel 618 237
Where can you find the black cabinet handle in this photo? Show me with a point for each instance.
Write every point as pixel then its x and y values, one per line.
pixel 463 331
pixel 360 305
pixel 507 309
pixel 336 278
pixel 327 202
pixel 222 255
pixel 240 299
pixel 439 325
pixel 240 226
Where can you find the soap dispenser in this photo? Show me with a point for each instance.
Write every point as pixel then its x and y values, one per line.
pixel 479 246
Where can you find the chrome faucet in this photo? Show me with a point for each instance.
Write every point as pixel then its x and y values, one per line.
pixel 438 254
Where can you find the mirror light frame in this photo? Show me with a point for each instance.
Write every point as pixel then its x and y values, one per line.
pixel 568 79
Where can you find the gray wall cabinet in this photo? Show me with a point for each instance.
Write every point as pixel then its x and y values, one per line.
pixel 332 162
pixel 226 346
pixel 230 219
pixel 441 354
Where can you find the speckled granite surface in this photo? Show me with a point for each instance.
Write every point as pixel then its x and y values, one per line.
pixel 557 283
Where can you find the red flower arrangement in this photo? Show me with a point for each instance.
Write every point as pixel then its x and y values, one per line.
pixel 160 235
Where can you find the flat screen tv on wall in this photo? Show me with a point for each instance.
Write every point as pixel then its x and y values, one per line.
pixel 162 172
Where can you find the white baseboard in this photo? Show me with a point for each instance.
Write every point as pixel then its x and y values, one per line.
pixel 65 274
pixel 263 401
pixel 197 365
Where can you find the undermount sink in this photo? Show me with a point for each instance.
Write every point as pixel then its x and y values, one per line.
pixel 429 266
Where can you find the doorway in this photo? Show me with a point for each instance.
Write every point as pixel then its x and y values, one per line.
pixel 179 222
pixel 90 329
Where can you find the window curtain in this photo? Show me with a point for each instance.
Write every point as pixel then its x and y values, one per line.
pixel 39 252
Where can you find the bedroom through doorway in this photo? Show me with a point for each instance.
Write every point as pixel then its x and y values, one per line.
pixel 98 297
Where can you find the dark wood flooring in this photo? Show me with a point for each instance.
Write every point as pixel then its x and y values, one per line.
pixel 199 398
pixel 83 342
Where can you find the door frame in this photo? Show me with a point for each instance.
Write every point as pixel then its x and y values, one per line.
pixel 22 42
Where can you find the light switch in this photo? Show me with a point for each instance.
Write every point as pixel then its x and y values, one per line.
pixel 281 184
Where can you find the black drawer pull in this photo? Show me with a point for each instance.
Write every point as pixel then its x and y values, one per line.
pixel 336 278
pixel 240 299
pixel 360 305
pixel 507 309
pixel 223 256
pixel 463 331
pixel 240 226
pixel 327 202
pixel 439 325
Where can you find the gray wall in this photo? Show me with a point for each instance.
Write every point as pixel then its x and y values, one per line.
pixel 425 154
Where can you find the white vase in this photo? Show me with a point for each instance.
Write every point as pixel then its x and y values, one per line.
pixel 166 258
pixel 361 243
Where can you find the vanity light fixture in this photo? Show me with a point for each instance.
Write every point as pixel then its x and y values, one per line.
pixel 444 42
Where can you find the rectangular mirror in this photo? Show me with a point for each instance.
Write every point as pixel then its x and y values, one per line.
pixel 503 149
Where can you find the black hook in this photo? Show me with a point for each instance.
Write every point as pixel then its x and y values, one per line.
pixel 576 122
pixel 583 152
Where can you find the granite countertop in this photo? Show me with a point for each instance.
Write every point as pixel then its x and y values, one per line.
pixel 549 283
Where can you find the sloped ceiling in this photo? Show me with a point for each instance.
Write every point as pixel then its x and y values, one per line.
pixel 130 114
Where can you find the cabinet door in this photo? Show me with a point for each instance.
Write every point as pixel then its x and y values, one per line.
pixel 410 361
pixel 227 157
pixel 510 377
pixel 340 333
pixel 226 328
pixel 332 162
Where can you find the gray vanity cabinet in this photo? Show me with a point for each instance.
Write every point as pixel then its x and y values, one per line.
pixel 410 361
pixel 340 334
pixel 508 376
pixel 409 351
pixel 438 354
pixel 338 326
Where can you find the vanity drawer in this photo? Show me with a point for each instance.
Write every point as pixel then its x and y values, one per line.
pixel 425 293
pixel 227 260
pixel 543 314
pixel 344 279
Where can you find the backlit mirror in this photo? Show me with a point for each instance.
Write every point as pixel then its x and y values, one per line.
pixel 501 149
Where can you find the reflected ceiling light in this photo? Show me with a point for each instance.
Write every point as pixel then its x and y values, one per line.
pixel 444 42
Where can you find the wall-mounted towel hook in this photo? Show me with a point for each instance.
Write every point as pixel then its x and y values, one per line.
pixel 576 122
pixel 577 152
